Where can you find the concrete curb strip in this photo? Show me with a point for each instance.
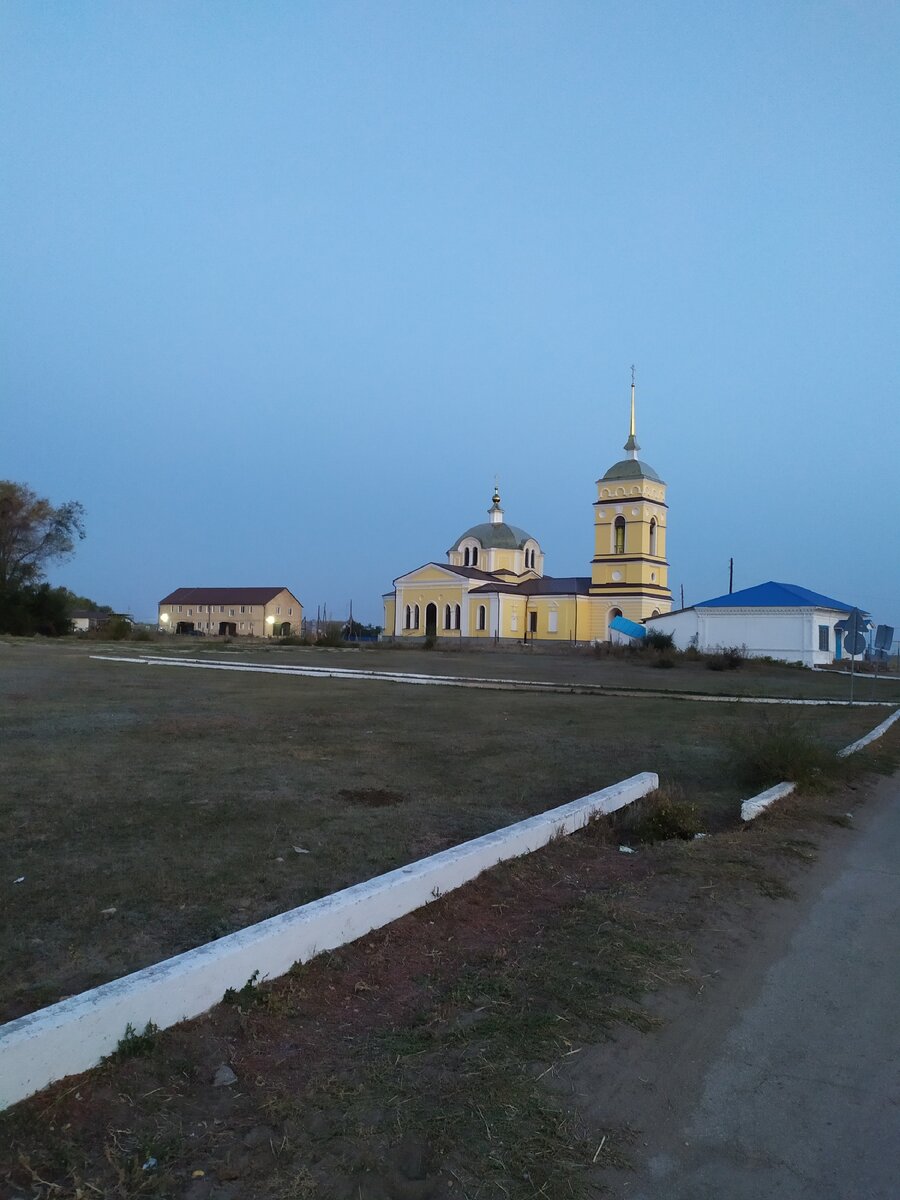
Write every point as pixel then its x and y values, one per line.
pixel 877 732
pixel 463 681
pixel 75 1034
pixel 758 804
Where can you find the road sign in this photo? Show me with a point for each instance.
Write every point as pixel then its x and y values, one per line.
pixel 855 622
pixel 854 643
pixel 884 636
pixel 854 628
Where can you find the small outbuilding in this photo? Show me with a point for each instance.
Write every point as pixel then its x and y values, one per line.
pixel 231 612
pixel 771 620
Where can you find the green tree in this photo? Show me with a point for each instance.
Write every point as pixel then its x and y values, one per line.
pixel 33 533
pixel 87 604
pixel 29 610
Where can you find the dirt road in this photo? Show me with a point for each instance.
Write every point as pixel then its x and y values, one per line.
pixel 781 1079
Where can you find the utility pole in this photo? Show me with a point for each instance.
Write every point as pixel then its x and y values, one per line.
pixel 730 576
pixel 682 596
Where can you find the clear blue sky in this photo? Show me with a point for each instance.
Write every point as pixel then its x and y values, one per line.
pixel 284 285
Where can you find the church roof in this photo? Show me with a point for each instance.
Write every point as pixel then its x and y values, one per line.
pixel 465 572
pixel 776 595
pixel 631 468
pixel 499 536
pixel 547 585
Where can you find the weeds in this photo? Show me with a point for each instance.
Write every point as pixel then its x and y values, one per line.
pixel 659 817
pixel 727 658
pixel 245 997
pixel 772 750
pixel 135 1045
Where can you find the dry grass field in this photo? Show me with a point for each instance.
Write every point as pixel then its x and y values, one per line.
pixel 617 669
pixel 150 810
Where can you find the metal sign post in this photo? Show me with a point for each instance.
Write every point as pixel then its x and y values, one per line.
pixel 854 629
pixel 884 635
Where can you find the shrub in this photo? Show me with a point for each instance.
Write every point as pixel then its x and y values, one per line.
pixel 430 642
pixel 727 658
pixel 331 637
pixel 664 660
pixel 657 640
pixel 142 635
pixel 774 750
pixel 661 816
pixel 116 629
pixel 616 649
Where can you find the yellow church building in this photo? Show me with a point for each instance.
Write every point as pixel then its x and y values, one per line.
pixel 493 587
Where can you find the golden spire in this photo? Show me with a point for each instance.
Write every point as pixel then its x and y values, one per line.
pixel 632 445
pixel 631 431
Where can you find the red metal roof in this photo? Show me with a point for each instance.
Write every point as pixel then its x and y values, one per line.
pixel 238 595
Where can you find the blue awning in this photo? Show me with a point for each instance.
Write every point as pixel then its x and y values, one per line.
pixel 631 628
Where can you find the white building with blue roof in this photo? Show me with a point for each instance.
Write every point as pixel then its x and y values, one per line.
pixel 772 620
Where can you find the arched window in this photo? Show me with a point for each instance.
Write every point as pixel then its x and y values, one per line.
pixel 407 622
pixel 653 535
pixel 474 556
pixel 619 533
pixel 447 622
pixel 482 617
pixel 416 626
pixel 466 557
pixel 457 615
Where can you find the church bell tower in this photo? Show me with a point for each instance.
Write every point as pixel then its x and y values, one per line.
pixel 629 567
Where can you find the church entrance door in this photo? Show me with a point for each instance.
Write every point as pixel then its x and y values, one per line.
pixel 431 620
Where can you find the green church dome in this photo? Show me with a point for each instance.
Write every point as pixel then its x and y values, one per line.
pixel 631 468
pixel 496 536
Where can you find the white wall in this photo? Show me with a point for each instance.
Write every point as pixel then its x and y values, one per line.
pixel 791 634
pixel 682 625
pixel 771 633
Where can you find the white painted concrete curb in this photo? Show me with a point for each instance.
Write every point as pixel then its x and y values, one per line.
pixel 461 681
pixel 877 732
pixel 73 1035
pixel 757 804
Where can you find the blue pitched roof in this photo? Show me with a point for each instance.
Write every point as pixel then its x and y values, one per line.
pixel 623 625
pixel 776 595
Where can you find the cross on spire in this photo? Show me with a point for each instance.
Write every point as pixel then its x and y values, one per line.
pixel 632 444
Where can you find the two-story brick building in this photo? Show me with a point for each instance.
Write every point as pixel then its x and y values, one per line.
pixel 236 612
